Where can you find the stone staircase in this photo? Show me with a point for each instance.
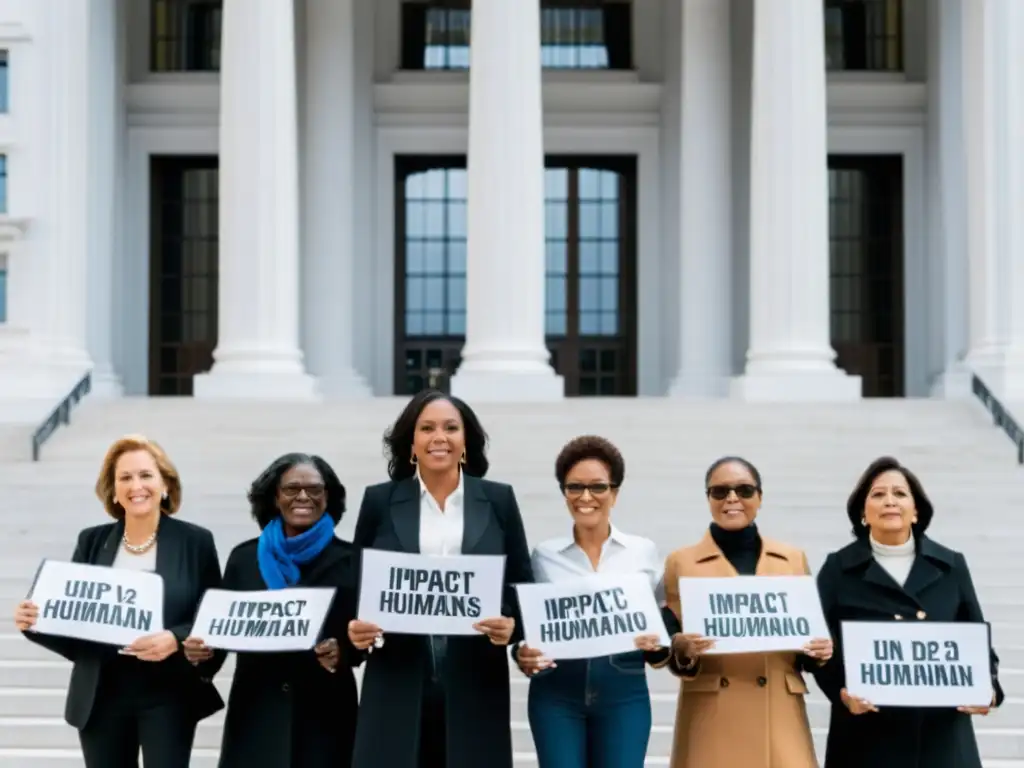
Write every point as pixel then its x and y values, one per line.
pixel 810 457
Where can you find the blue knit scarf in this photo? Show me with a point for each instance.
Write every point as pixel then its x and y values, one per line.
pixel 280 556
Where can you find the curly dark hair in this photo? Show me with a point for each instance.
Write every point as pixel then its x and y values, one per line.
pixel 859 496
pixel 263 491
pixel 399 437
pixel 590 447
pixel 734 460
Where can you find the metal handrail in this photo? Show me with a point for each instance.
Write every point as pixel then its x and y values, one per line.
pixel 61 414
pixel 1000 415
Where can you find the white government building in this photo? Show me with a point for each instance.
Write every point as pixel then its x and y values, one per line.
pixel 765 199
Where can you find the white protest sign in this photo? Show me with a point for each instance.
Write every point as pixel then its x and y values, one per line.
pixel 429 595
pixel 753 614
pixel 918 663
pixel 269 620
pixel 94 602
pixel 590 616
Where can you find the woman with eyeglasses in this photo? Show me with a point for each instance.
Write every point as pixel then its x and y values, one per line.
pixel 298 708
pixel 761 693
pixel 593 712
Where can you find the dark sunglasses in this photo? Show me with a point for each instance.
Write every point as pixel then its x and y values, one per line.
pixel 721 492
pixel 596 489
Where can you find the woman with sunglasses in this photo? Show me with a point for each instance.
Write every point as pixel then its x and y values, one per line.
pixel 762 692
pixel 593 712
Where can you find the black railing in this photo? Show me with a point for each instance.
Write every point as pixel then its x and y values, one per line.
pixel 1000 415
pixel 61 414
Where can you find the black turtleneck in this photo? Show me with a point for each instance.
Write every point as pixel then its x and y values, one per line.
pixel 742 548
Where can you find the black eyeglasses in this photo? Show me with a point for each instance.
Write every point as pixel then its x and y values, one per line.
pixel 721 492
pixel 292 491
pixel 576 490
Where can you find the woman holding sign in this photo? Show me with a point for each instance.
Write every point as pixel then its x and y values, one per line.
pixel 294 710
pixel 894 572
pixel 146 695
pixel 594 712
pixel 428 701
pixel 743 709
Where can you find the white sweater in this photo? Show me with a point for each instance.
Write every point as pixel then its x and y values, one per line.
pixel 897 559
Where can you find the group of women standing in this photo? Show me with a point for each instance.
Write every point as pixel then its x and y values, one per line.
pixel 443 702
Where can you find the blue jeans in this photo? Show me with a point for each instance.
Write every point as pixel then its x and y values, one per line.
pixel 592 713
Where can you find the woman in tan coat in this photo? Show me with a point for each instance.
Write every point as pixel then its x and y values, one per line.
pixel 739 709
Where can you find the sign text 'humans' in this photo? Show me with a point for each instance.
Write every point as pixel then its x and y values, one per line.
pixel 591 614
pixel 753 614
pixel 430 592
pixel 417 594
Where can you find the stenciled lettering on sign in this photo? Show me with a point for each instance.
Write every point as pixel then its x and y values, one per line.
pixel 430 592
pixel 753 614
pixel 930 664
pixel 604 613
pixel 99 602
pixel 262 618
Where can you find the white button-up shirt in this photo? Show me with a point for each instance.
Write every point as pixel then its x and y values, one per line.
pixel 562 558
pixel 441 532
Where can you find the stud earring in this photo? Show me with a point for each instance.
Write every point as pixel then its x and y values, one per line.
pixel 164 497
pixel 864 522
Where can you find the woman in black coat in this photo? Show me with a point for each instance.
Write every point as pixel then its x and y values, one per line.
pixel 298 709
pixel 893 572
pixel 437 702
pixel 145 696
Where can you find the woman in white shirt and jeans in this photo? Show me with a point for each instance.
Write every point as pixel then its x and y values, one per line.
pixel 593 713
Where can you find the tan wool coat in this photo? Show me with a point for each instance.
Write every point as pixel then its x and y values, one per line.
pixel 745 709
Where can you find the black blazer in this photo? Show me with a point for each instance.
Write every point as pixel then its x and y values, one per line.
pixel 186 558
pixel 285 710
pixel 854 586
pixel 477 672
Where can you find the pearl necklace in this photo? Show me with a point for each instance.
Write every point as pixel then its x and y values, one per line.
pixel 139 549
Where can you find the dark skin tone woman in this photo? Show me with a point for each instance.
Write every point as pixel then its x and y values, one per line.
pixel 294 709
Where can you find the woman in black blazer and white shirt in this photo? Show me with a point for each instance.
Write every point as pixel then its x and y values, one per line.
pixel 436 702
pixel 146 695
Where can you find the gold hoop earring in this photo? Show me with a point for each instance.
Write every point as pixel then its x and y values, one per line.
pixel 462 458
pixel 412 460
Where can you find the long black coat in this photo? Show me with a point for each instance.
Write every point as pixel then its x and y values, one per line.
pixel 939 588
pixel 186 558
pixel 285 710
pixel 477 684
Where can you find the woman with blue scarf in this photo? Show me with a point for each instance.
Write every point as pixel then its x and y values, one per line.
pixel 293 710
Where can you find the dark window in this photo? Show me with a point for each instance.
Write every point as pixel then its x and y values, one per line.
pixel 866 269
pixel 185 35
pixel 864 35
pixel 3 183
pixel 183 272
pixel 3 288
pixel 589 246
pixel 574 35
pixel 5 80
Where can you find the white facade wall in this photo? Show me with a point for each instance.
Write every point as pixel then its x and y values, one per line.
pixel 685 345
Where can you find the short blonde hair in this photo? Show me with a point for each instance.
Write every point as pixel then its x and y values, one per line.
pixel 127 444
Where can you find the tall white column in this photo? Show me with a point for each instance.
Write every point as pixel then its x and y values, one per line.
pixel 328 177
pixel 994 107
pixel 63 228
pixel 790 355
pixel 258 355
pixel 705 201
pixel 104 128
pixel 505 357
pixel 947 235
